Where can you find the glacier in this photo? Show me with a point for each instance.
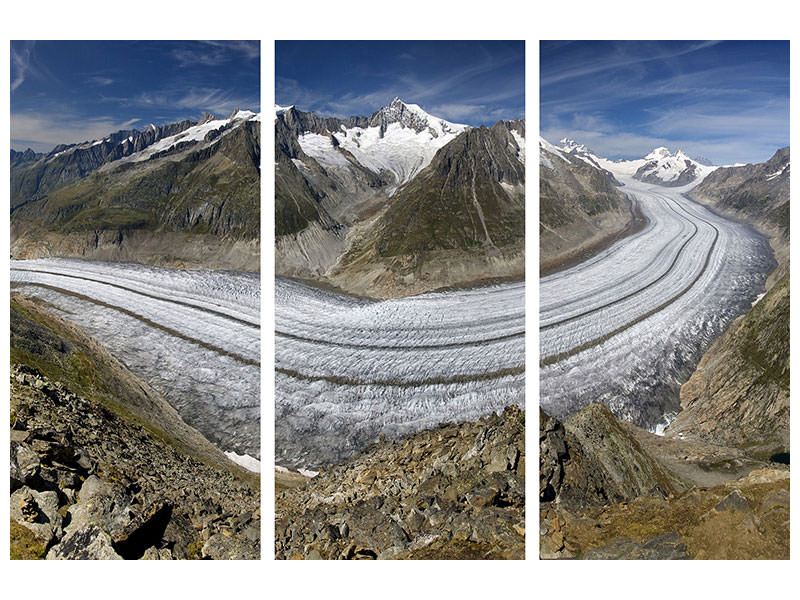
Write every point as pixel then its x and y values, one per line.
pixel 628 326
pixel 194 336
pixel 349 369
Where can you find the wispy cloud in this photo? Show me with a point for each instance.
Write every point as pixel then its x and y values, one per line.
pixel 20 63
pixel 44 132
pixel 196 100
pixel 622 55
pixel 729 103
pixel 99 81
pixel 214 53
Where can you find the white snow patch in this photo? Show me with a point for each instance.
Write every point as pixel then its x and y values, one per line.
pixel 400 150
pixel 246 461
pixel 521 143
pixel 320 148
pixel 758 299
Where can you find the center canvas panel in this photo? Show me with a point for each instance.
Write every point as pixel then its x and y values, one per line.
pixel 399 299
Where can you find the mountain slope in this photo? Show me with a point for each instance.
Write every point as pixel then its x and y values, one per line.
pixel 609 490
pixel 191 199
pixel 739 394
pixel 581 208
pixel 359 201
pixel 460 220
pixel 757 194
pixel 34 175
pixel 102 467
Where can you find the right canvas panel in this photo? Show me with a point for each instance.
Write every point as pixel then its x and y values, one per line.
pixel 664 300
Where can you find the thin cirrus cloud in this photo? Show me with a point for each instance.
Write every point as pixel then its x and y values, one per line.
pixel 20 63
pixel 728 101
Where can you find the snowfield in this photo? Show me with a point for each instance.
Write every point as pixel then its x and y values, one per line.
pixel 193 335
pixel 350 369
pixel 628 326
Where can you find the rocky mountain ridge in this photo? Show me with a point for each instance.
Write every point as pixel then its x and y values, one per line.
pixel 581 205
pixel 341 184
pixel 187 199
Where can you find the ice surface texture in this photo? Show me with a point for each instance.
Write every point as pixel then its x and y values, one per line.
pixel 193 335
pixel 628 326
pixel 350 369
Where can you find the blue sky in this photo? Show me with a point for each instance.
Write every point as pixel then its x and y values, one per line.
pixel 70 91
pixel 472 82
pixel 725 101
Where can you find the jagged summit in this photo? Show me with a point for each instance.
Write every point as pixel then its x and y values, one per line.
pixel 413 117
pixel 572 147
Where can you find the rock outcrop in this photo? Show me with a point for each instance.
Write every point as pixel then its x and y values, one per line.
pixel 456 491
pixel 609 490
pixel 103 467
pixel 739 394
pixel 91 484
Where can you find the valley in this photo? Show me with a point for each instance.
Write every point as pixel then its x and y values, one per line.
pixel 627 326
pixel 417 223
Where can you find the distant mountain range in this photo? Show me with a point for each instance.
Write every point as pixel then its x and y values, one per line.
pixel 397 202
pixel 183 194
pixel 660 166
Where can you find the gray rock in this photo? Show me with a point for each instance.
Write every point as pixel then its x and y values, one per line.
pixel 38 511
pixel 664 547
pixel 224 547
pixel 84 543
pixel 25 465
pixel 733 501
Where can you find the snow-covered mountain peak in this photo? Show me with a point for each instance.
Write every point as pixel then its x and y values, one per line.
pixel 279 110
pixel 570 146
pixel 400 139
pixel 658 153
pixel 412 116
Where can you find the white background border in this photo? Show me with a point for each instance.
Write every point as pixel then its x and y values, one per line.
pixel 407 19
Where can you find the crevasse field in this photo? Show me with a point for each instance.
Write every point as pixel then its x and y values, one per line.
pixel 350 369
pixel 193 335
pixel 629 326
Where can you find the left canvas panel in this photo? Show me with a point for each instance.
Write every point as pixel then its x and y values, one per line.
pixel 135 293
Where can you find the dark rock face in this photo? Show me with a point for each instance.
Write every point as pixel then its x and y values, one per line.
pixel 125 493
pixel 457 491
pixel 592 460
